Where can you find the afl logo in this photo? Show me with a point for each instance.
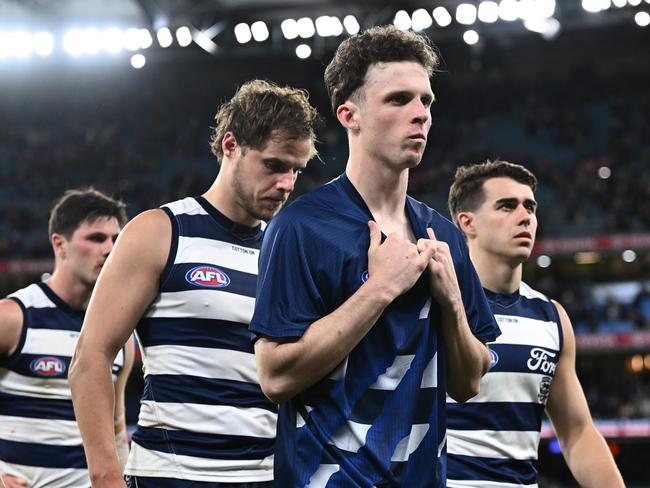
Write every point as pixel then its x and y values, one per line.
pixel 495 358
pixel 364 277
pixel 207 276
pixel 47 366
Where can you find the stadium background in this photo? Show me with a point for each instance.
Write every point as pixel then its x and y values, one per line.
pixel 559 87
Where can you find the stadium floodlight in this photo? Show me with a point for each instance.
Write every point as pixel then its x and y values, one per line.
pixel 138 60
pixel 289 28
pixel 303 51
pixel 529 10
pixel 145 38
pixel 336 26
pixel 164 37
pixel 260 31
pixel 488 11
pixel 306 27
pixel 73 42
pixel 470 37
pixel 112 40
pixel 243 33
pixel 604 172
pixel 619 3
pixel 132 39
pixel 420 20
pixel 442 16
pixel 546 8
pixel 509 10
pixel 43 43
pixel 21 44
pixel 543 261
pixel 322 24
pixel 466 14
pixel 4 45
pixel 328 26
pixel 552 28
pixel 93 40
pixel 402 20
pixel 629 256
pixel 351 24
pixel 642 19
pixel 634 3
pixel 184 36
pixel 594 6
pixel 203 40
pixel 548 28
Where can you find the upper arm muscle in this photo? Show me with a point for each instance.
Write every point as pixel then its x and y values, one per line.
pixel 11 326
pixel 128 282
pixel 567 406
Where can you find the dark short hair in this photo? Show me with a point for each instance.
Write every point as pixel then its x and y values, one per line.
pixel 467 193
pixel 83 204
pixel 260 110
pixel 347 71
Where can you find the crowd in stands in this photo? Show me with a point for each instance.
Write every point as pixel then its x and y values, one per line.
pixel 148 143
pixel 612 391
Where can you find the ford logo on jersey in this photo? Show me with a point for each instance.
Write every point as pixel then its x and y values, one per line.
pixel 207 276
pixel 47 366
pixel 495 358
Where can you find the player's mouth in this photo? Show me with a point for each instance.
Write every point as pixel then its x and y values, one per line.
pixel 419 137
pixel 275 202
pixel 524 235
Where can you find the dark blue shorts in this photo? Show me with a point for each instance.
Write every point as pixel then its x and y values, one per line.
pixel 150 482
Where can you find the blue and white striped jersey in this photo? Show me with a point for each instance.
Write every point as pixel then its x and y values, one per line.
pixel 379 418
pixel 39 437
pixel 492 439
pixel 203 415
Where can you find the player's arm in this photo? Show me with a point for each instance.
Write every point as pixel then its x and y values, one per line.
pixel 126 287
pixel 11 326
pixel 119 418
pixel 468 359
pixel 584 448
pixel 287 368
pixel 10 481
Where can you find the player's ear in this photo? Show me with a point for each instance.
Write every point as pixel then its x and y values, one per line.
pixel 465 222
pixel 348 115
pixel 58 242
pixel 229 144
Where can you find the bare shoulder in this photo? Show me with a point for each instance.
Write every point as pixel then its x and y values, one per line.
pixel 145 240
pixel 148 225
pixel 11 324
pixel 567 327
pixel 562 313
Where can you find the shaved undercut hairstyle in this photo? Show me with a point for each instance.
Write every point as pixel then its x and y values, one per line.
pixel 467 193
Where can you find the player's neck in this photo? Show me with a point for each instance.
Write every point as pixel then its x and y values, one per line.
pixel 220 196
pixel 496 274
pixel 69 289
pixel 383 189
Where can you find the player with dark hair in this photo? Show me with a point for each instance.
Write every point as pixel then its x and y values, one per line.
pixel 183 276
pixel 40 443
pixel 492 440
pixel 360 335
